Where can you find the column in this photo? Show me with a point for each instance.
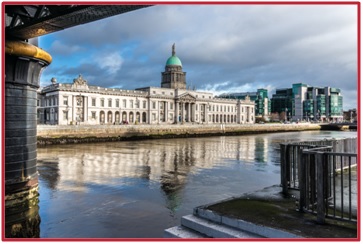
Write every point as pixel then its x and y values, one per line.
pixel 149 111
pixel 182 112
pixel 158 115
pixel 23 65
pixel 176 112
pixel 85 109
pixel 189 113
pixel 206 113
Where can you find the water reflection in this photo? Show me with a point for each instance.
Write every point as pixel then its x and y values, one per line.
pixel 140 188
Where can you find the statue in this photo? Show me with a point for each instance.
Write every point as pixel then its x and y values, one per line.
pixel 80 81
pixel 53 80
pixel 173 50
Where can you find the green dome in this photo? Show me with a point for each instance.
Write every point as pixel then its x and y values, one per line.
pixel 173 60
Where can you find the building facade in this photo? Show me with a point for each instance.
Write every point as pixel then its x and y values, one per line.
pixel 79 103
pixel 262 102
pixel 303 102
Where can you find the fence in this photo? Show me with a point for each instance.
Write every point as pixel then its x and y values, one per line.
pixel 314 168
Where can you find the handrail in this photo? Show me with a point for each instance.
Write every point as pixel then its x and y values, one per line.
pixel 312 168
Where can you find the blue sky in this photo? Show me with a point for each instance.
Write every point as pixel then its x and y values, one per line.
pixel 223 48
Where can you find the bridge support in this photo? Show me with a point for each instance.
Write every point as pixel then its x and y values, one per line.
pixel 23 65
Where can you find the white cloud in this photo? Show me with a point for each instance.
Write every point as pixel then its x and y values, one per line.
pixel 58 47
pixel 112 62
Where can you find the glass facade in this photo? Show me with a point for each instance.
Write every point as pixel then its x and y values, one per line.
pixel 262 102
pixel 315 103
pixel 282 101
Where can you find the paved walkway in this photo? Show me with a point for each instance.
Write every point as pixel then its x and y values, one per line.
pixel 270 208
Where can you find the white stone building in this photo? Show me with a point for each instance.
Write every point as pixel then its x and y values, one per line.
pixel 79 103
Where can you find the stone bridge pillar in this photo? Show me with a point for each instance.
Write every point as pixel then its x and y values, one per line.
pixel 23 65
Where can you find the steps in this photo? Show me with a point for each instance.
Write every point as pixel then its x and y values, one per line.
pixel 208 224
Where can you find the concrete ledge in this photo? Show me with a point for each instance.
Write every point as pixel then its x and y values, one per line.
pixel 48 134
pixel 262 231
pixel 181 232
pixel 213 229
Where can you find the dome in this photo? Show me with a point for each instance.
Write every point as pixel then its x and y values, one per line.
pixel 173 60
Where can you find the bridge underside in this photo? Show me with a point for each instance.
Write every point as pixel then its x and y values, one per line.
pixel 29 21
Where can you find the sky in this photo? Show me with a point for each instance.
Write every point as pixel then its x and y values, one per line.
pixel 223 48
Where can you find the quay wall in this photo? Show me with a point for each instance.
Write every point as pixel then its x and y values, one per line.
pixel 68 134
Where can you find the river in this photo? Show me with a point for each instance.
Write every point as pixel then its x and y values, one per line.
pixel 136 189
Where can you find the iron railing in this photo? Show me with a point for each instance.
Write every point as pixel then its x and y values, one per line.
pixel 322 173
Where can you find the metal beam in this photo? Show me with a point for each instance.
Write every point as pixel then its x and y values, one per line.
pixel 26 22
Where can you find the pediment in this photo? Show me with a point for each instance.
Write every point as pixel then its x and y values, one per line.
pixel 187 97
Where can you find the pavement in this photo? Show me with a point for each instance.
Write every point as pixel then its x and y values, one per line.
pixel 271 209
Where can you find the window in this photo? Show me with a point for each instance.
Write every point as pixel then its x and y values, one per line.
pixel 124 103
pixel 110 103
pixel 163 93
pixel 171 93
pixel 65 115
pixel 131 103
pixel 144 104
pixel 154 116
pixel 55 101
pixel 171 105
pixel 79 101
pixel 38 102
pixel 65 100
pixel 93 115
pixel 154 105
pixel 102 102
pixel 93 102
pixel 196 107
pixel 154 92
pixel 137 104
pixel 117 103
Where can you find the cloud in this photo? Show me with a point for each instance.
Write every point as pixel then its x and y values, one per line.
pixel 58 48
pixel 112 62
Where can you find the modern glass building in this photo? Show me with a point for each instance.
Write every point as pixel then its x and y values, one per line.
pixel 303 102
pixel 262 102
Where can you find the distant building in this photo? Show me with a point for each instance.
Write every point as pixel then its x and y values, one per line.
pixel 262 102
pixel 303 102
pixel 79 103
pixel 350 115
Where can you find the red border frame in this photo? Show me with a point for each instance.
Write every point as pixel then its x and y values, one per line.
pixel 179 3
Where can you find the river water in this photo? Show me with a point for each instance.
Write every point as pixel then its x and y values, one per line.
pixel 136 189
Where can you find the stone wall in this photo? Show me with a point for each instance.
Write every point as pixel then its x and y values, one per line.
pixel 50 134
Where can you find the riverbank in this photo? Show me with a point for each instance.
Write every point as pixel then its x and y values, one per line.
pixel 55 134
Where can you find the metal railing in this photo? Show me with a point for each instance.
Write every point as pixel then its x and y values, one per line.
pixel 322 172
